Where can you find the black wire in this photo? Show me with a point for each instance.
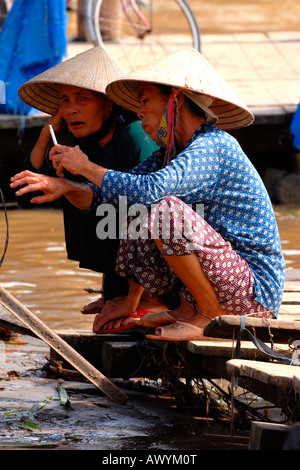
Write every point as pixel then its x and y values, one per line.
pixel 7 228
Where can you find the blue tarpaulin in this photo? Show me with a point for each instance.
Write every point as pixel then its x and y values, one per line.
pixel 32 39
pixel 295 128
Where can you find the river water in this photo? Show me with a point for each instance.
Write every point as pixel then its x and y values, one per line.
pixel 37 272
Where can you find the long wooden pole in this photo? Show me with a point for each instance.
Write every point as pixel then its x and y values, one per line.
pixel 61 347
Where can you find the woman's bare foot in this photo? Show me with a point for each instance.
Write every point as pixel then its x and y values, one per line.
pixel 152 305
pixel 93 307
pixel 117 312
pixel 187 314
pixel 114 312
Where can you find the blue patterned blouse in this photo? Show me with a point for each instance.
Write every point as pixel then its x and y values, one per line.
pixel 213 170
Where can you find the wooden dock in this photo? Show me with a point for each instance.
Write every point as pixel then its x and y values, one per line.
pixel 129 354
pixel 274 382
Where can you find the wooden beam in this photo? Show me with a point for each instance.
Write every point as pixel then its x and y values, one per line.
pixel 63 348
pixel 16 328
pixel 279 375
pixel 268 436
pixel 228 326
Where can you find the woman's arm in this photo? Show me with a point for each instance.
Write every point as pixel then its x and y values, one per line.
pixel 190 176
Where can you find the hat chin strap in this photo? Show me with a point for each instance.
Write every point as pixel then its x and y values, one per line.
pixel 203 102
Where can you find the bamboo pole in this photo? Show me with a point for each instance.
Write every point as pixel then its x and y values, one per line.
pixel 61 347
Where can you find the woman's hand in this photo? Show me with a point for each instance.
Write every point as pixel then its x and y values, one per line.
pixel 76 162
pixel 70 158
pixel 80 195
pixel 52 187
pixel 56 121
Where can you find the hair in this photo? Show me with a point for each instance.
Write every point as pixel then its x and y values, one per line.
pixel 166 90
pixel 195 109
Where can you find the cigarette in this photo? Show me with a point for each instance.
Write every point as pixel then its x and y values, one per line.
pixel 52 134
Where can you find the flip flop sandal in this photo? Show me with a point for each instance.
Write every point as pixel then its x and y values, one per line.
pixel 178 331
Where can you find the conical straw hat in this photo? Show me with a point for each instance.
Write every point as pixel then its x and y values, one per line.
pixel 92 69
pixel 188 70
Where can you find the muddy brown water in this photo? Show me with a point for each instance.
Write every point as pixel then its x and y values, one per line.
pixel 37 272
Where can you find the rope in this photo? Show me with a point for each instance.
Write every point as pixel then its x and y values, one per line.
pixel 261 346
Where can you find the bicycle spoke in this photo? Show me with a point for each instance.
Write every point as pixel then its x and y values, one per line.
pixel 135 33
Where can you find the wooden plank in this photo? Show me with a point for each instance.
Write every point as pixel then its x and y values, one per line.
pixel 286 327
pixel 127 359
pixel 288 316
pixel 291 297
pixel 267 372
pixel 225 349
pixel 292 275
pixel 292 286
pixel 8 321
pixel 268 436
pixel 16 328
pixel 228 326
pixel 63 348
pixel 87 344
pixel 290 309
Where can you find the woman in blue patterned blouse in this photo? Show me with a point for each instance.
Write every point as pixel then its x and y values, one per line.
pixel 209 230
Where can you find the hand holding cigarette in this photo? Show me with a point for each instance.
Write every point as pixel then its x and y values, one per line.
pixel 71 159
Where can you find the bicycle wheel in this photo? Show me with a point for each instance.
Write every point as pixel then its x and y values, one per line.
pixel 129 39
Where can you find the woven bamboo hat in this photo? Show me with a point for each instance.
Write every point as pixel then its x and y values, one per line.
pixel 189 71
pixel 92 69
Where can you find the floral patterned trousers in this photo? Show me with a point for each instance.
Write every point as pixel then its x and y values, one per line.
pixel 183 231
